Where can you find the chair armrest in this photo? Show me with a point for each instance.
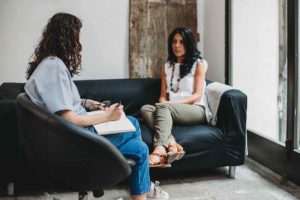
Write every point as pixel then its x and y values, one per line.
pixel 232 114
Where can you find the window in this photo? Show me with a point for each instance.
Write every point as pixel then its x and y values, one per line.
pixel 259 64
pixel 262 61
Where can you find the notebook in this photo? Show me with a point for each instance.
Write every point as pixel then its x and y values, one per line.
pixel 112 127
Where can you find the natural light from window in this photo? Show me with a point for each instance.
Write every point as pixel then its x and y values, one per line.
pixel 259 63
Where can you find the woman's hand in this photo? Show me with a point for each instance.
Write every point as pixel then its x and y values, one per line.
pixel 114 112
pixel 162 99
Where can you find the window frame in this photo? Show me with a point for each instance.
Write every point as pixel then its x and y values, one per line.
pixel 282 158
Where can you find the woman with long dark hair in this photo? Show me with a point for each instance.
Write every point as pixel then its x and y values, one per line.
pixel 55 61
pixel 181 97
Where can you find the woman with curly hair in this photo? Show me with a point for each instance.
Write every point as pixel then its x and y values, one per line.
pixel 181 97
pixel 56 60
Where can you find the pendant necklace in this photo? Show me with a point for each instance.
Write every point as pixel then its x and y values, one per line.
pixel 171 81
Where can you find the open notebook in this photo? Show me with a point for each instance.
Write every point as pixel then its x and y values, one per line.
pixel 119 126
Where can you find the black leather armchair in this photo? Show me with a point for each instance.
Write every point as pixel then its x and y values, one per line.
pixel 66 156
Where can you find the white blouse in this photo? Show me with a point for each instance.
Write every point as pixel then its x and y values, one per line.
pixel 186 84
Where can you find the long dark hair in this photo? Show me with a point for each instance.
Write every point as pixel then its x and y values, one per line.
pixel 191 51
pixel 60 38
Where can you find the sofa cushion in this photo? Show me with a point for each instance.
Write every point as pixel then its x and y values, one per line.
pixel 204 146
pixel 194 139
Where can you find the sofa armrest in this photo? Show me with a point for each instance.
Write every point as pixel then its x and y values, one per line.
pixel 9 130
pixel 232 114
pixel 9 145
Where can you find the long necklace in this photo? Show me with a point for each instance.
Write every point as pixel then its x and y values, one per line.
pixel 171 81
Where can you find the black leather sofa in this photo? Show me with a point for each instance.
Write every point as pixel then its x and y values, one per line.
pixel 206 146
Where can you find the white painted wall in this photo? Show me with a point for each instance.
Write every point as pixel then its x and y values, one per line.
pixel 104 35
pixel 256 61
pixel 211 25
pixel 200 25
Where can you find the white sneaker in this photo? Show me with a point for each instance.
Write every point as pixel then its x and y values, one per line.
pixel 156 193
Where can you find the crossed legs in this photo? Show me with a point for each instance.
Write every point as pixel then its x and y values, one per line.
pixel 160 119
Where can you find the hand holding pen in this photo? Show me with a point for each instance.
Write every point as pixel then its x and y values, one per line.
pixel 114 112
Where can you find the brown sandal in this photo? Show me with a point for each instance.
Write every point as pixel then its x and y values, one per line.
pixel 175 152
pixel 158 157
pixel 181 152
pixel 157 160
pixel 172 153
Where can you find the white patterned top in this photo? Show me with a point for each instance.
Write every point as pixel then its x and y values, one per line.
pixel 186 84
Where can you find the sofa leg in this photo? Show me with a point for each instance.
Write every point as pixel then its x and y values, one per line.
pixel 98 193
pixel 10 189
pixel 83 195
pixel 231 172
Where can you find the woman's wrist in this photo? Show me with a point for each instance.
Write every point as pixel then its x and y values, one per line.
pixel 106 116
pixel 83 102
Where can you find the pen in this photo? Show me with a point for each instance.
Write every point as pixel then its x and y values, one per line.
pixel 120 103
pixel 106 103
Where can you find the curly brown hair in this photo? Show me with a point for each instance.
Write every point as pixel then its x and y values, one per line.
pixel 61 39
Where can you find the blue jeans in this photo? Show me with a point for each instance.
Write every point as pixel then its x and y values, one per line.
pixel 130 144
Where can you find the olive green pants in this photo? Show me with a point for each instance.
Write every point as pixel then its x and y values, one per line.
pixel 160 119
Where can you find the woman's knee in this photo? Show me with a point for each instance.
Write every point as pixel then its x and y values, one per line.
pixel 144 150
pixel 141 150
pixel 147 108
pixel 162 105
pixel 136 124
pixel 133 120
